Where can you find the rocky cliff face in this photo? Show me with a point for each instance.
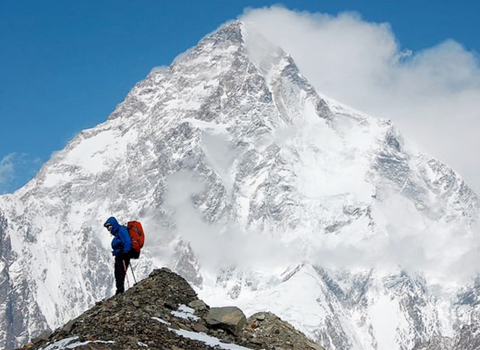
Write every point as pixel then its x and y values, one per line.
pixel 260 192
pixel 164 312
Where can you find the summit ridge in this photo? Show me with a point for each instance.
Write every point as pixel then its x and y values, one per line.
pixel 164 312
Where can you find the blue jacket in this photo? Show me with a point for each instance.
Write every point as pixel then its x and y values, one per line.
pixel 121 242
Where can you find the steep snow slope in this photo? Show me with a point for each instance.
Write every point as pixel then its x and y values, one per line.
pixel 256 189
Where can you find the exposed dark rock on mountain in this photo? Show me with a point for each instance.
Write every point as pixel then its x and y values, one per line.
pixel 163 312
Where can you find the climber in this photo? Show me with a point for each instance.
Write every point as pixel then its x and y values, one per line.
pixel 121 245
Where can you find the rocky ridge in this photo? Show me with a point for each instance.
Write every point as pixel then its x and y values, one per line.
pixel 164 312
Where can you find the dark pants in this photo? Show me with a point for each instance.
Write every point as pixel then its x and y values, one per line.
pixel 121 265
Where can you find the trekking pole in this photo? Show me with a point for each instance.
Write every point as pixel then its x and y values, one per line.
pixel 131 268
pixel 126 274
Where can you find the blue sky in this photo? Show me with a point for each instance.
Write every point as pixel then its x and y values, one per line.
pixel 65 65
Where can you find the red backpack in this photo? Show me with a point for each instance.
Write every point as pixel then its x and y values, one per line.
pixel 137 235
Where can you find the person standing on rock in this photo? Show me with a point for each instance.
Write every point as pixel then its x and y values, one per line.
pixel 121 245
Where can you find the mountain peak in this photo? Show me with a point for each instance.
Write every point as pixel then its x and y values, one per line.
pixel 231 31
pixel 239 170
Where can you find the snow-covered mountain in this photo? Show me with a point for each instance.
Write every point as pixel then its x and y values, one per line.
pixel 261 193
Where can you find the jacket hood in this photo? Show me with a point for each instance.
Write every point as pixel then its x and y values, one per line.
pixel 112 221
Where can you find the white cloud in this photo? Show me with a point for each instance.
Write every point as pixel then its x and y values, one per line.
pixel 446 259
pixel 221 245
pixel 15 170
pixel 433 96
pixel 445 255
pixel 6 171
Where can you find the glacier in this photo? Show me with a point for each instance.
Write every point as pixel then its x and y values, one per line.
pixel 262 193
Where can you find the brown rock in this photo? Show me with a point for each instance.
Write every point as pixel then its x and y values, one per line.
pixel 229 318
pixel 199 327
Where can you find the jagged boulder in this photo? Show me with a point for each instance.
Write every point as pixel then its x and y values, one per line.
pixel 230 318
pixel 163 312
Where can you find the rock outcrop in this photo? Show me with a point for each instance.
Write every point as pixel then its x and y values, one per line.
pixel 163 312
pixel 229 318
